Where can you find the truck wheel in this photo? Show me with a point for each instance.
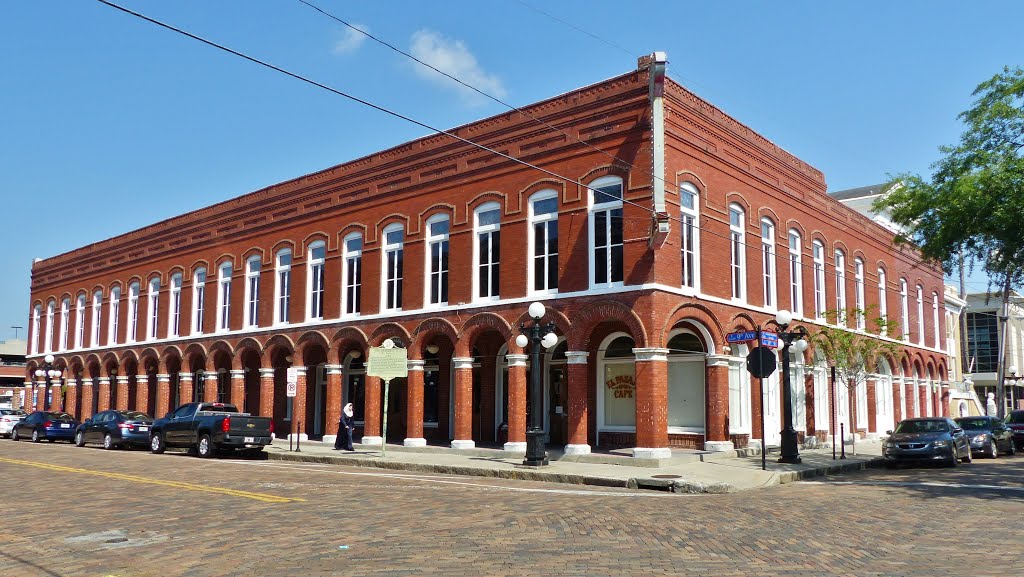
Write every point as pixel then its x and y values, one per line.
pixel 205 448
pixel 156 444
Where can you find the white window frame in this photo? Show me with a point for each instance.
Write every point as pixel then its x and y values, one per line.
pixel 920 315
pixel 840 262
pixel 858 292
pixel 153 326
pixel 224 273
pixel 607 207
pixel 602 362
pixel 352 275
pixel 97 318
pixel 282 286
pixel 391 280
pixel 820 296
pixel 883 299
pixel 689 235
pixel 796 273
pixel 174 306
pixel 199 279
pixel 37 313
pixel 253 268
pixel 133 312
pixel 904 310
pixel 935 320
pixel 115 313
pixel 737 252
pixel 51 307
pixel 436 276
pixel 493 266
pixel 769 279
pixel 65 315
pixel 80 321
pixel 546 258
pixel 315 282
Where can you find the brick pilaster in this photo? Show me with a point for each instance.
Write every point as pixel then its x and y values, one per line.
pixel 266 391
pixel 651 378
pixel 872 386
pixel 299 424
pixel 121 401
pixel 237 394
pixel 88 391
pixel 163 394
pixel 413 405
pixel 716 418
pixel 104 392
pixel 185 387
pixel 333 398
pixel 463 367
pixel 210 386
pixel 517 401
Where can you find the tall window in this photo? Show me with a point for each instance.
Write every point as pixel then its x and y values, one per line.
pixel 606 232
pixel 153 327
pixel 174 318
pixel 437 253
pixel 544 241
pixel 315 281
pixel 115 315
pixel 224 296
pixel 883 304
pixel 65 314
pixel 768 262
pixel 737 252
pixel 283 286
pixel 904 311
pixel 37 312
pixel 935 319
pixel 689 230
pixel 858 291
pixel 353 273
pixel 920 315
pixel 252 291
pixel 198 300
pixel 840 287
pixel 80 321
pixel 133 312
pixel 796 274
pixel 488 250
pixel 97 317
pixel 394 243
pixel 818 254
pixel 48 343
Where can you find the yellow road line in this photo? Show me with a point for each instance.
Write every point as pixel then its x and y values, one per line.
pixel 174 484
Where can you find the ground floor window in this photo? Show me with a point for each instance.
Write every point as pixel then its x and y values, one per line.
pixel 617 385
pixel 686 383
pixel 355 385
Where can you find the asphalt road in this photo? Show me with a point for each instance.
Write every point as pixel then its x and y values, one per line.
pixel 68 512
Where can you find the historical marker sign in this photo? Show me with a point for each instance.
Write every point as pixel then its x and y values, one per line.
pixel 387 362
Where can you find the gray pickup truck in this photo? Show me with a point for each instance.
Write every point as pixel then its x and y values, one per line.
pixel 208 428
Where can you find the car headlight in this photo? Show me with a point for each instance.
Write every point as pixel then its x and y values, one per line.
pixel 978 439
pixel 890 445
pixel 941 443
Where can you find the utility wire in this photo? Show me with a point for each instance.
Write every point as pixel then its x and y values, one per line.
pixel 577 28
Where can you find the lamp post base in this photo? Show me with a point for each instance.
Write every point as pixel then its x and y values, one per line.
pixel 536 455
pixel 790 453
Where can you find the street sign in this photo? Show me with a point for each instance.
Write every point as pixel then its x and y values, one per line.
pixel 761 362
pixel 292 390
pixel 769 339
pixel 741 336
pixel 292 381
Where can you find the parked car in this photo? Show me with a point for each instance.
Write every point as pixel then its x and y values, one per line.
pixel 49 425
pixel 932 439
pixel 208 428
pixel 1015 422
pixel 8 417
pixel 115 429
pixel 988 435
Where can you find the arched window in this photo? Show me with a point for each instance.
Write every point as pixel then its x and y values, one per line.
pixel 883 300
pixel 48 341
pixel 858 291
pixel 437 255
pixel 737 252
pixel 818 254
pixel 904 311
pixel 97 317
pixel 487 247
pixel 174 318
pixel 315 280
pixel 353 273
pixel 224 296
pixel 393 265
pixel 920 315
pixel 689 229
pixel 283 286
pixel 840 287
pixel 606 262
pixel 113 324
pixel 355 383
pixel 935 320
pixel 37 313
pixel 133 311
pixel 153 327
pixel 543 270
pixel 796 274
pixel 686 361
pixel 65 315
pixel 198 300
pixel 616 394
pixel 252 290
pixel 768 263
pixel 80 321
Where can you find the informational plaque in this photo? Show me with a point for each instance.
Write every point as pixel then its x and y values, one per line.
pixel 387 362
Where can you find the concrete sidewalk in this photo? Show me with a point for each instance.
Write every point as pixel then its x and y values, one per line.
pixel 685 472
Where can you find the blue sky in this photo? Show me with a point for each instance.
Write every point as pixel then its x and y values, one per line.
pixel 110 123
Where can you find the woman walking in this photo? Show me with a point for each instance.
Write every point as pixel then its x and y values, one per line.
pixel 345 426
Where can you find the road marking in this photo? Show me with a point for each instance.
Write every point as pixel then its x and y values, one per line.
pixel 173 484
pixel 918 484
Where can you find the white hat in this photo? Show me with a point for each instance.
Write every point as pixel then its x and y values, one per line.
pixel 348 410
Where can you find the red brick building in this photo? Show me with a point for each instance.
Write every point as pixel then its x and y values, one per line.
pixel 441 246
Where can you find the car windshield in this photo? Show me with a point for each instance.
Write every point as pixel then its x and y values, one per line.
pixel 1016 417
pixel 922 427
pixel 975 423
pixel 61 417
pixel 136 416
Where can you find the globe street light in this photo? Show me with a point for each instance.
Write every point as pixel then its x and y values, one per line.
pixel 790 452
pixel 536 455
pixel 50 373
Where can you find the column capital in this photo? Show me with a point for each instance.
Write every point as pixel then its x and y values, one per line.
pixel 87 381
pixel 185 377
pixel 333 369
pixel 71 382
pixel 301 370
pixel 104 380
pixel 266 372
pixel 717 360
pixel 143 378
pixel 516 360
pixel 576 357
pixel 237 373
pixel 416 365
pixel 643 354
pixel 210 375
pixel 122 379
pixel 163 378
pixel 462 362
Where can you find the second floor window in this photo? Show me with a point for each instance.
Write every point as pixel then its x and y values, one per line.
pixel 796 274
pixel 115 315
pixel 198 301
pixel 283 286
pixel 920 315
pixel 154 308
pixel 65 313
pixel 488 250
pixel 97 317
pixel 935 319
pixel 818 254
pixel 768 262
pixel 394 242
pixel 737 253
pixel 840 287
pixel 858 291
pixel 224 296
pixel 37 312
pixel 883 305
pixel 48 342
pixel 606 232
pixel 315 280
pixel 174 318
pixel 80 321
pixel 252 291
pixel 904 311
pixel 353 273
pixel 689 233
pixel 437 253
pixel 543 271
pixel 133 312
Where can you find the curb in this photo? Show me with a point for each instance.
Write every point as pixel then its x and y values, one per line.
pixel 791 476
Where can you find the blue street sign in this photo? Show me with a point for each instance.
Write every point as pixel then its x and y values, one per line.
pixel 741 336
pixel 769 339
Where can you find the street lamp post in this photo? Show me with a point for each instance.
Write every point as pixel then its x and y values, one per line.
pixel 790 452
pixel 1013 379
pixel 49 372
pixel 536 455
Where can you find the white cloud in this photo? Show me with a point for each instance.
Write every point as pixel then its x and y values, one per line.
pixel 452 57
pixel 350 40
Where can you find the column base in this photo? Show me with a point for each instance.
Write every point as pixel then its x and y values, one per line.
pixel 577 449
pixel 463 444
pixel 417 442
pixel 719 446
pixel 300 437
pixel 371 440
pixel 652 453
pixel 515 448
pixel 329 439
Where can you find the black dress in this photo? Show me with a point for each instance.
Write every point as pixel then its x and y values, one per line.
pixel 344 439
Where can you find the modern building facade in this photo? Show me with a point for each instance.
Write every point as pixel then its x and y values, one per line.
pixel 650 223
pixel 12 373
pixel 985 339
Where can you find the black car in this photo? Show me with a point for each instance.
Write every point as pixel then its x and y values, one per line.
pixel 988 435
pixel 935 439
pixel 115 429
pixel 1015 422
pixel 49 425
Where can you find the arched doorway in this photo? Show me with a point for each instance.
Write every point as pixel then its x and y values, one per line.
pixel 250 361
pixel 354 389
pixel 884 410
pixel 313 423
pixel 686 386
pixel 616 391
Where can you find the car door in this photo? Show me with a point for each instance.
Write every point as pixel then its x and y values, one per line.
pixel 25 426
pixel 91 428
pixel 176 430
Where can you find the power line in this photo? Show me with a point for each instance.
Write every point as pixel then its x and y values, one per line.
pixel 576 28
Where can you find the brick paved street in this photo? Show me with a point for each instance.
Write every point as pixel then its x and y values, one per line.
pixel 94 513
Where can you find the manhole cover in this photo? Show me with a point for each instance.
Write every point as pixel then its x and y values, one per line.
pixel 666 476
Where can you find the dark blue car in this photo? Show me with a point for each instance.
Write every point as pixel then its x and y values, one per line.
pixel 49 425
pixel 115 429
